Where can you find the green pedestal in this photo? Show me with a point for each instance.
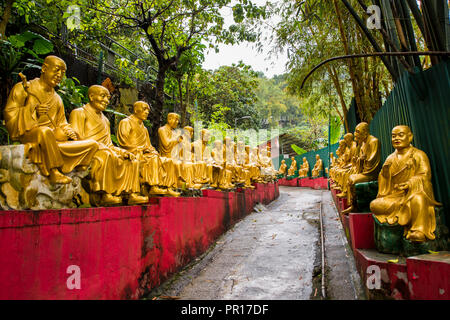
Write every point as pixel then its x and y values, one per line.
pixel 365 192
pixel 390 239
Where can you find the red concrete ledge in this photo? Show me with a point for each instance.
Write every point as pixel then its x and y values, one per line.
pixel 122 252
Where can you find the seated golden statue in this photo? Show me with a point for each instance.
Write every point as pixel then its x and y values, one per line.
pixel 241 161
pixel 34 115
pixel 346 163
pixel 202 158
pixel 133 136
pixel 188 169
pixel 113 170
pixel 336 163
pixel 254 162
pixel 222 177
pixel 304 168
pixel 293 167
pixel 317 167
pixel 282 169
pixel 367 164
pixel 405 194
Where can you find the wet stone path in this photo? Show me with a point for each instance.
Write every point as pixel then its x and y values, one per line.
pixel 272 254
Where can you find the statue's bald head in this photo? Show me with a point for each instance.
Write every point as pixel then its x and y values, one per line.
pixel 140 105
pixel 54 60
pixel 96 89
pixel 53 70
pixel 361 131
pixel 401 137
pixel 173 119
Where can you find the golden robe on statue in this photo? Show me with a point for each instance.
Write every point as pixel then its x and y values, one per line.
pixel 24 125
pixel 109 171
pixel 133 136
pixel 414 207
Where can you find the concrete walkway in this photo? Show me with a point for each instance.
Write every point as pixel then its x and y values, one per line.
pixel 273 253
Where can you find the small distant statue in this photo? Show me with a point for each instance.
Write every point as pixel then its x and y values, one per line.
pixel 293 167
pixel 405 194
pixel 318 167
pixel 282 170
pixel 304 169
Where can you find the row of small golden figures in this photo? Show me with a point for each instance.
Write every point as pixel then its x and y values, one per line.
pixel 304 168
pixel 34 115
pixel 405 193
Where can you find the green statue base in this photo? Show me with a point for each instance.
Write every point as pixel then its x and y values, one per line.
pixel 390 239
pixel 365 192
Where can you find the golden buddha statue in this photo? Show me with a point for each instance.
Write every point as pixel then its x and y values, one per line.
pixel 188 169
pixel 222 177
pixel 202 158
pixel 34 115
pixel 168 139
pixel 366 166
pixel 113 170
pixel 133 136
pixel 293 167
pixel 346 164
pixel 405 194
pixel 304 169
pixel 243 172
pixel 317 167
pixel 283 167
pixel 255 163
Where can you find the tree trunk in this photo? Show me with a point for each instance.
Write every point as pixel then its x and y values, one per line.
pixel 157 110
pixel 5 18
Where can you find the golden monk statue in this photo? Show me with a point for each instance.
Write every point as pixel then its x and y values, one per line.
pixel 405 194
pixel 293 167
pixel 159 173
pixel 222 177
pixel 347 164
pixel 113 170
pixel 202 158
pixel 317 167
pixel 190 171
pixel 366 166
pixel 283 168
pixel 167 137
pixel 255 163
pixel 241 161
pixel 304 168
pixel 34 115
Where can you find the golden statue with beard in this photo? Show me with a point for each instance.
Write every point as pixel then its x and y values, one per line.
pixel 133 136
pixel 367 164
pixel 405 194
pixel 34 115
pixel 222 177
pixel 188 168
pixel 114 171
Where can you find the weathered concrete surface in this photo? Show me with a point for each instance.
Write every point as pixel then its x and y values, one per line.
pixel 272 254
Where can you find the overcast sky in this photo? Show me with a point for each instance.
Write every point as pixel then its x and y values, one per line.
pixel 269 65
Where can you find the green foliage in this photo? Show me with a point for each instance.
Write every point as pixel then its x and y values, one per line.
pixel 335 130
pixel 297 149
pixel 72 94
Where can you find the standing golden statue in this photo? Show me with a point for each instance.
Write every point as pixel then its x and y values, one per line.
pixel 293 167
pixel 133 136
pixel 304 168
pixel 34 115
pixel 188 168
pixel 367 164
pixel 405 194
pixel 317 167
pixel 113 170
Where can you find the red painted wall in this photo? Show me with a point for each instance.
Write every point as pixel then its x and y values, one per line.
pixel 122 252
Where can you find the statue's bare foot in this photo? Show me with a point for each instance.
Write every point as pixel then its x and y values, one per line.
pixel 342 195
pixel 135 198
pixel 348 210
pixel 109 199
pixel 58 177
pixel 416 236
pixel 157 190
pixel 173 193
